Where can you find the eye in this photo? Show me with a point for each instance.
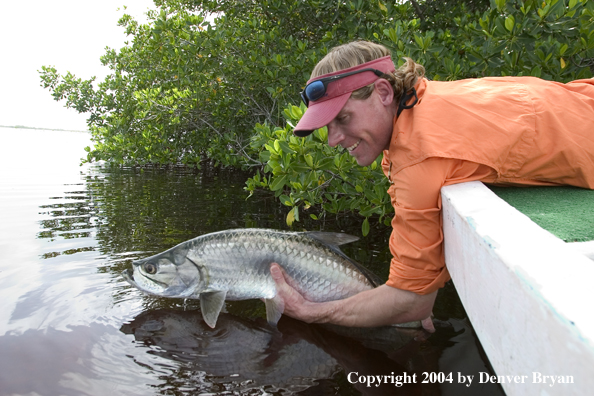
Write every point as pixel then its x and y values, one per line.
pixel 150 268
pixel 342 118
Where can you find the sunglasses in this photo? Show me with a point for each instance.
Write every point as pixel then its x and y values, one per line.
pixel 317 89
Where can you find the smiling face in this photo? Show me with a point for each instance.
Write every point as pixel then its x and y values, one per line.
pixel 364 127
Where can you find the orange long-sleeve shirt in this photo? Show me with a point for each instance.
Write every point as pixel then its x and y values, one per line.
pixel 505 130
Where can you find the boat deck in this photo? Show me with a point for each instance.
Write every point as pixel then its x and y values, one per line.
pixel 525 290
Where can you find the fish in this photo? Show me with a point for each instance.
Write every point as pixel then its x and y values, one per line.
pixel 235 265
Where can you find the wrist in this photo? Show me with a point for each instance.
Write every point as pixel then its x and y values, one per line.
pixel 320 312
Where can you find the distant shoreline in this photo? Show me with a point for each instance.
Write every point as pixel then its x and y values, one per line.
pixel 45 129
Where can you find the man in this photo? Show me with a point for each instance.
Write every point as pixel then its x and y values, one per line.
pixel 496 130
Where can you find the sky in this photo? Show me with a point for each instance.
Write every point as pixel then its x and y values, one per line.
pixel 70 35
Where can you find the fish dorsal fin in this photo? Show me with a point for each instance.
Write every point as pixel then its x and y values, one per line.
pixel 211 304
pixel 335 239
pixel 332 238
pixel 274 309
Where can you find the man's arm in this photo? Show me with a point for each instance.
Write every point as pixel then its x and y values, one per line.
pixel 381 306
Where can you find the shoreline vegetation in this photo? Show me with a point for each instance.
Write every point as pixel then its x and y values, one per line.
pixel 43 129
pixel 188 88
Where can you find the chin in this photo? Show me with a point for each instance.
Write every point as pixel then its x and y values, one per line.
pixel 364 162
pixel 367 156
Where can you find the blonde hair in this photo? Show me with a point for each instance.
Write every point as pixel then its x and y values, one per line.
pixel 358 52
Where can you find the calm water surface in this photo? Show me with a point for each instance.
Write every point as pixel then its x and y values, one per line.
pixel 70 324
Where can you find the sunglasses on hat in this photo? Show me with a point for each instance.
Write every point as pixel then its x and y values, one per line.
pixel 315 90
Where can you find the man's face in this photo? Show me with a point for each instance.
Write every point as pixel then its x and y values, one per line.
pixel 363 127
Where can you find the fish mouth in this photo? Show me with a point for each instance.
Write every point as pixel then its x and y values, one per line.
pixel 128 275
pixel 152 286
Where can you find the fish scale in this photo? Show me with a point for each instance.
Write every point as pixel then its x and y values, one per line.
pixel 235 265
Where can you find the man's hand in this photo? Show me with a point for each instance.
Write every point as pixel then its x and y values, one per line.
pixel 428 325
pixel 381 306
pixel 294 301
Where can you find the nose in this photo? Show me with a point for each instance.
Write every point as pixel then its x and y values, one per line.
pixel 335 135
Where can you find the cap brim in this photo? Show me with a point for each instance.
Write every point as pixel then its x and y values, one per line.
pixel 319 114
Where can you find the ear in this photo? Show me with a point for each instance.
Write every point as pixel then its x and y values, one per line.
pixel 385 91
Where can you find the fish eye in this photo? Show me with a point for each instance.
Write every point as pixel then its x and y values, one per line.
pixel 150 268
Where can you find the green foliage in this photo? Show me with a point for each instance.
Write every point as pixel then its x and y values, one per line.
pixel 551 39
pixel 307 173
pixel 186 90
pixel 440 14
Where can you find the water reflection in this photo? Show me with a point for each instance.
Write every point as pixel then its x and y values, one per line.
pixel 69 324
pixel 237 355
pixel 58 352
pixel 151 210
pixel 246 355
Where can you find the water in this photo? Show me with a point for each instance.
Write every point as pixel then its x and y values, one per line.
pixel 70 325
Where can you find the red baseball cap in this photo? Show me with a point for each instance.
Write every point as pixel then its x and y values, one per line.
pixel 323 110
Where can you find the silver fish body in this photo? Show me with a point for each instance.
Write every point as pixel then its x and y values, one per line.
pixel 235 265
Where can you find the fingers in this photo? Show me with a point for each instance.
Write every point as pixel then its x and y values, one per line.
pixel 278 276
pixel 277 273
pixel 428 325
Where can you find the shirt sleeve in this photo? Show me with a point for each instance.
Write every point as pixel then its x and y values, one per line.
pixel 416 242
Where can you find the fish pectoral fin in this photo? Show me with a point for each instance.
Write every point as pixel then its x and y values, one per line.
pixel 274 309
pixel 211 304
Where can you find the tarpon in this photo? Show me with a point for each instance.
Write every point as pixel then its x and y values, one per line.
pixel 235 265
